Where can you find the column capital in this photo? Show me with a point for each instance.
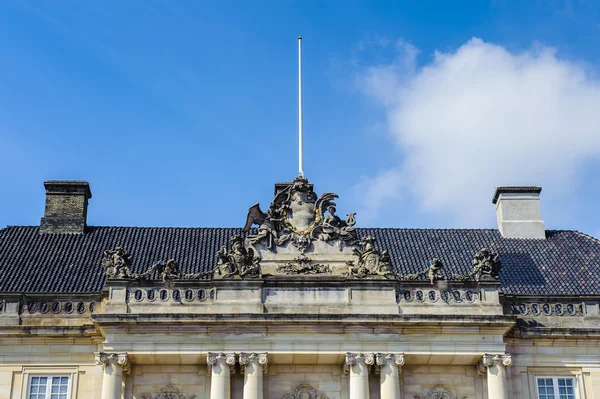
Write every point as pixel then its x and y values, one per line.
pixel 489 360
pixel 212 358
pixel 261 358
pixel 393 359
pixel 353 358
pixel 114 359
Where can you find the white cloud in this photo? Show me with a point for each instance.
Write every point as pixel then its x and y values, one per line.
pixel 478 118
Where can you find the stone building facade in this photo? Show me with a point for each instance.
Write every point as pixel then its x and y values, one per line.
pixel 299 304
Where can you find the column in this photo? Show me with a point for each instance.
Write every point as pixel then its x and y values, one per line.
pixel 357 366
pixel 496 374
pixel 389 366
pixel 254 365
pixel 221 366
pixel 113 365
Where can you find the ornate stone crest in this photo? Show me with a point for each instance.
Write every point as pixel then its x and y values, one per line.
pixel 169 392
pixel 304 391
pixel 296 215
pixel 239 262
pixel 370 261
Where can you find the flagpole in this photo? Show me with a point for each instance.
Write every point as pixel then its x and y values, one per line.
pixel 300 164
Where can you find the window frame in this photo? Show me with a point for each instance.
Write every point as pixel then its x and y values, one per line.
pixel 530 377
pixel 71 372
pixel 555 385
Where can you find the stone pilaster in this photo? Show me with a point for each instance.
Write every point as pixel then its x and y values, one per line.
pixel 357 366
pixel 495 367
pixel 113 365
pixel 389 366
pixel 254 365
pixel 221 366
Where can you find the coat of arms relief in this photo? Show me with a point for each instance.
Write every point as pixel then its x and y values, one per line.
pixel 301 234
pixel 296 215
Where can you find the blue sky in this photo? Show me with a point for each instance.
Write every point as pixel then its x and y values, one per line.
pixel 185 113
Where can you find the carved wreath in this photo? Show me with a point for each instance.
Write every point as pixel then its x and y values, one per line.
pixel 440 392
pixel 169 392
pixel 304 391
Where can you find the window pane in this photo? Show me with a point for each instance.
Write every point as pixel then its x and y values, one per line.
pixel 566 388
pixel 545 388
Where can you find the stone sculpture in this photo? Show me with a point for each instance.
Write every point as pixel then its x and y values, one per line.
pixel 296 215
pixel 486 267
pixel 168 270
pixel 370 261
pixel 433 271
pixel 116 263
pixel 239 262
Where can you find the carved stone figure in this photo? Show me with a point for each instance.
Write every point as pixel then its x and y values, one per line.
pixel 238 262
pixel 116 263
pixel 433 271
pixel 370 261
pixel 168 270
pixel 486 267
pixel 333 226
pixel 297 215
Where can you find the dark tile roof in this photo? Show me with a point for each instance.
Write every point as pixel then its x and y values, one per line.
pixel 566 263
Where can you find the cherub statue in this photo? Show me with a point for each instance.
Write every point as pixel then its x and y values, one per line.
pixel 116 263
pixel 434 270
pixel 168 270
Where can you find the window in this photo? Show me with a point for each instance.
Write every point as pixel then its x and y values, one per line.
pixel 48 387
pixel 556 388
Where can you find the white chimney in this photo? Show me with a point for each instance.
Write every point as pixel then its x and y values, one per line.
pixel 518 212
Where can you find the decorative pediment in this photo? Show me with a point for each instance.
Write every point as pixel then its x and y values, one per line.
pixel 304 391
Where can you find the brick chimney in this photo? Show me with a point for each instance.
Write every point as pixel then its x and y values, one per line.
pixel 66 206
pixel 518 212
